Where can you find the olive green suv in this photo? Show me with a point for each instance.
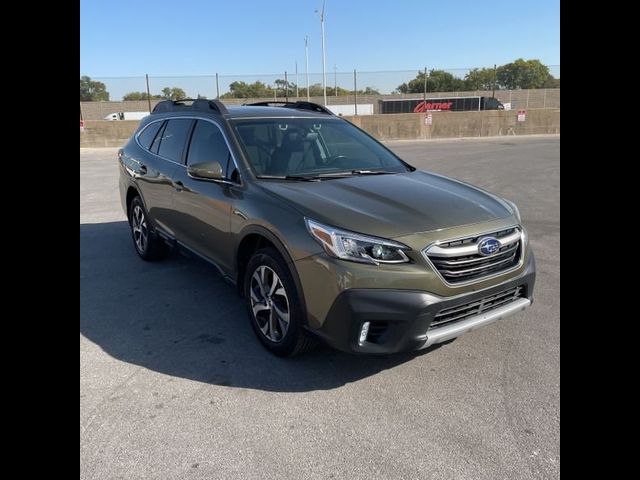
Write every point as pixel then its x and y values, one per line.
pixel 327 233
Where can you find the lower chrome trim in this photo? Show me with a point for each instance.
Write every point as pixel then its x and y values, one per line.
pixel 447 332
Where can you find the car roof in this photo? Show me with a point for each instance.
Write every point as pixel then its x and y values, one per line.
pixel 277 109
pixel 262 112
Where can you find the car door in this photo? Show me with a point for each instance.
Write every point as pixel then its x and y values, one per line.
pixel 204 206
pixel 160 141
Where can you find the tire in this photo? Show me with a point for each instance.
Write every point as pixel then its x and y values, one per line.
pixel 146 242
pixel 273 305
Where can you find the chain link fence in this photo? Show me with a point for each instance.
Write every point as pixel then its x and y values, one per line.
pixel 342 87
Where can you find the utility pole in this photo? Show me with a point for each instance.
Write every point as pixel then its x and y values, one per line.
pixel 286 87
pixel 324 63
pixel 355 92
pixel 297 80
pixel 335 80
pixel 217 87
pixel 425 89
pixel 148 94
pixel 306 56
pixel 493 90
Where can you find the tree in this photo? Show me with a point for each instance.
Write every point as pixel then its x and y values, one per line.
pixel 315 90
pixel 139 96
pixel 173 93
pixel 523 74
pixel 92 91
pixel 480 79
pixel 368 91
pixel 437 81
pixel 248 90
pixel 441 81
pixel 279 89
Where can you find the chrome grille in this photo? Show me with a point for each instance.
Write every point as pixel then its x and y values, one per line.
pixel 460 312
pixel 459 261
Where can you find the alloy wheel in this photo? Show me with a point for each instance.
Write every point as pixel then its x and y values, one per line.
pixel 269 303
pixel 139 227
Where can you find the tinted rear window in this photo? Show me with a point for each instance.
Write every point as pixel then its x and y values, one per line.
pixel 148 134
pixel 173 139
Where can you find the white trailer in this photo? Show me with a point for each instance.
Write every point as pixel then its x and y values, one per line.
pixel 350 109
pixel 126 116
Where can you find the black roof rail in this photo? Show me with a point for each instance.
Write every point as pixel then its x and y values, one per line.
pixel 200 104
pixel 299 105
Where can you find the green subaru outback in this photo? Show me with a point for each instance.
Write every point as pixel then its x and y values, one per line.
pixel 327 234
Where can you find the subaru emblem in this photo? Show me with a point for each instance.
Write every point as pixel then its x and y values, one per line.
pixel 488 246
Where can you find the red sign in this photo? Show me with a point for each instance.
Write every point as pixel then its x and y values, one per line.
pixel 81 125
pixel 426 106
pixel 522 115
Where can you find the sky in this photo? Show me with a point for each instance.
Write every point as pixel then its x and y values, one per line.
pixel 128 38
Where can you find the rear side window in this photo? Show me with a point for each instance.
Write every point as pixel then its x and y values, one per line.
pixel 156 141
pixel 148 134
pixel 173 139
pixel 207 144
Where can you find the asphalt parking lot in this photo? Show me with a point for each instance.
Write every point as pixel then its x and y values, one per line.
pixel 173 383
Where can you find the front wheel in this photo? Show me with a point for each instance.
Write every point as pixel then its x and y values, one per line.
pixel 273 306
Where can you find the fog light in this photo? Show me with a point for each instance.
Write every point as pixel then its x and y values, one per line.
pixel 364 332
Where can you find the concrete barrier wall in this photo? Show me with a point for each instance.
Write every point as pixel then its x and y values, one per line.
pixel 411 126
pixel 401 126
pixel 538 98
pixel 104 133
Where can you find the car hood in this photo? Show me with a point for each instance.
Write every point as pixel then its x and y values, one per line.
pixel 390 205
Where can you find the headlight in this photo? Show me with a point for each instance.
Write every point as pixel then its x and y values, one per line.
pixel 355 247
pixel 516 212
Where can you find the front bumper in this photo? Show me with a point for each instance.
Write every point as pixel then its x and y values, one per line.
pixel 400 319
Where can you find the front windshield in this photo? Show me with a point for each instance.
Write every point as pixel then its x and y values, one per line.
pixel 311 147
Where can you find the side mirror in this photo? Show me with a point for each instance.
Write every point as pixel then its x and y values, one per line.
pixel 206 170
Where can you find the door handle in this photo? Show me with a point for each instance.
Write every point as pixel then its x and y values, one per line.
pixel 142 170
pixel 179 186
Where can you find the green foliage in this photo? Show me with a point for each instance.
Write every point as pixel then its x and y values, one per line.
pixel 173 93
pixel 437 81
pixel 315 90
pixel 441 81
pixel 480 79
pixel 92 91
pixel 368 91
pixel 279 90
pixel 523 74
pixel 516 75
pixel 240 89
pixel 139 96
pixel 551 82
pixel 168 93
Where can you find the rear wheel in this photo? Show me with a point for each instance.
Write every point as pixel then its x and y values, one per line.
pixel 272 301
pixel 146 242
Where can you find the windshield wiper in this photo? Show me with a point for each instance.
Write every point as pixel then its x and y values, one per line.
pixel 355 172
pixel 372 172
pixel 301 178
pixel 327 176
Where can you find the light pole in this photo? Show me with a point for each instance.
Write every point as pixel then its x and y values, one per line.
pixel 297 80
pixel 335 80
pixel 306 56
pixel 324 67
